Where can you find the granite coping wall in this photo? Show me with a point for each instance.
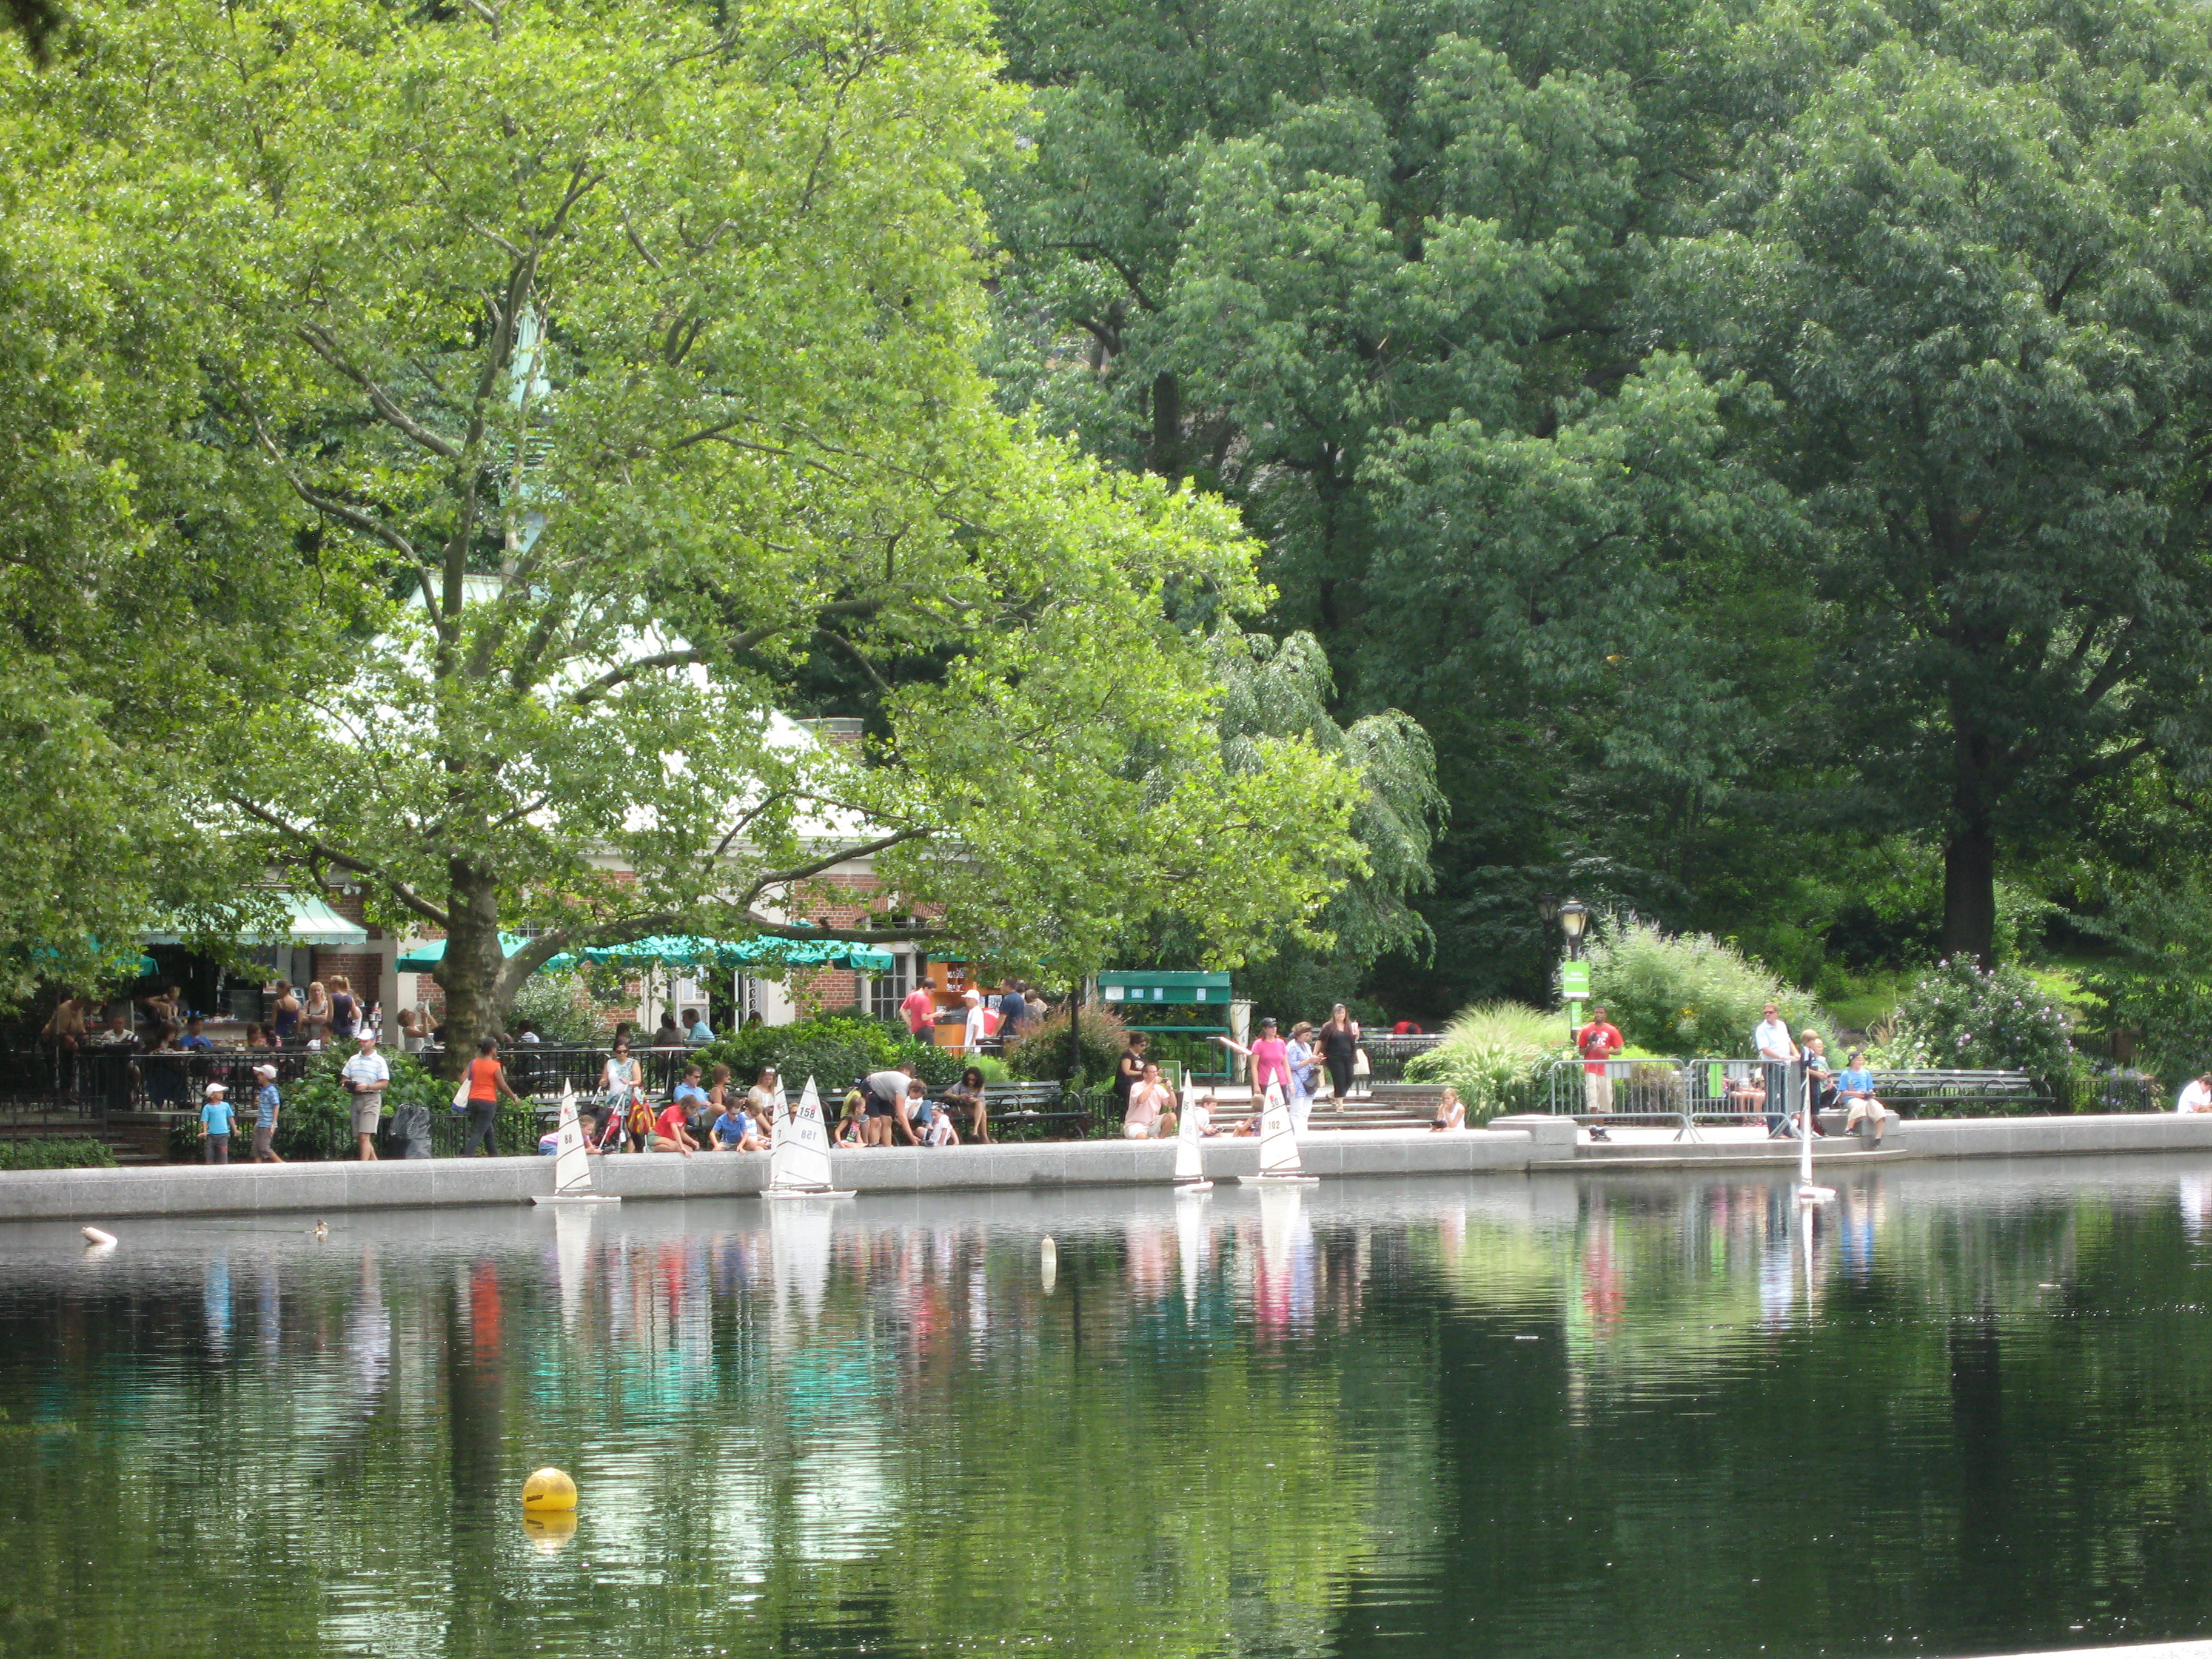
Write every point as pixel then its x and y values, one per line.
pixel 1509 1145
pixel 247 1188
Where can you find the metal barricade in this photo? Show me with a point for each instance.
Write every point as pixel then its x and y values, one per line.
pixel 1680 1092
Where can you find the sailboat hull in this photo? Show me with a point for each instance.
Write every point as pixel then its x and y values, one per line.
pixel 806 1192
pixel 572 1198
pixel 1279 1181
pixel 1193 1188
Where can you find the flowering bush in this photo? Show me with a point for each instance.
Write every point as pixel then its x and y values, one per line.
pixel 1961 1015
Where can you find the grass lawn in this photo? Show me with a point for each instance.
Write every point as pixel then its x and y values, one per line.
pixel 1872 997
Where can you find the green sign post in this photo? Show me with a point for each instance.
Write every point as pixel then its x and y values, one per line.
pixel 1574 982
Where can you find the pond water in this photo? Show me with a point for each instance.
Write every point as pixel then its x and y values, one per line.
pixel 1561 1417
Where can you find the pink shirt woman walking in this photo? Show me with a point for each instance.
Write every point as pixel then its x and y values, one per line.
pixel 1270 1056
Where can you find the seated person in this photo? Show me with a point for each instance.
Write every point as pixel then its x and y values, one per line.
pixel 668 1133
pixel 734 1131
pixel 851 1125
pixel 1854 1090
pixel 1450 1115
pixel 939 1131
pixel 195 1038
pixel 923 1112
pixel 2195 1095
pixel 1820 1080
pixel 1202 1115
pixel 1746 1096
pixel 691 1099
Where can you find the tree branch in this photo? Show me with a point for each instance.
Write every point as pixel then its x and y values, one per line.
pixel 345 860
pixel 320 341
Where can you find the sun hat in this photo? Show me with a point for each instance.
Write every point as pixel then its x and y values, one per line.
pixel 265 1071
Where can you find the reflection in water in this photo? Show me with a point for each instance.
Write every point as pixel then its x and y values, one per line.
pixel 1953 1412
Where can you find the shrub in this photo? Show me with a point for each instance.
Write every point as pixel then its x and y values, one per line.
pixel 57 1153
pixel 1498 1055
pixel 1688 994
pixel 1961 1015
pixel 1041 1056
pixel 832 1048
pixel 315 1124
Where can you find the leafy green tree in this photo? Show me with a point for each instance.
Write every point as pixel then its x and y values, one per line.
pixel 1972 268
pixel 628 356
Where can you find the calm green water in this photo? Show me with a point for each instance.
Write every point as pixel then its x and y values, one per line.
pixel 1603 1417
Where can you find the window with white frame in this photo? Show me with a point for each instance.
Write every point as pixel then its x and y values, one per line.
pixel 887 991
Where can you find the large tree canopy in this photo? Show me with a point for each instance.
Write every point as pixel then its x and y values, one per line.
pixel 1753 440
pixel 626 353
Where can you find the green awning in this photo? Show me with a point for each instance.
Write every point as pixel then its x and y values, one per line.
pixel 312 922
pixel 424 957
pixel 683 951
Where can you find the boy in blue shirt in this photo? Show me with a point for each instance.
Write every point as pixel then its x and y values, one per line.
pixel 264 1117
pixel 215 1123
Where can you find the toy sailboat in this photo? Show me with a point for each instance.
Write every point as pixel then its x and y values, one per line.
pixel 1279 1163
pixel 572 1182
pixel 1190 1163
pixel 798 1159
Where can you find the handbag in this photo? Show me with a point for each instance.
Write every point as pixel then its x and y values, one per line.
pixel 1359 1062
pixel 461 1094
pixel 641 1117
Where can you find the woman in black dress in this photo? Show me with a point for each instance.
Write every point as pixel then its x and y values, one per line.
pixel 1339 1044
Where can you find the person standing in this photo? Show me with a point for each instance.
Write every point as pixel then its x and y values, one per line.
pixel 1271 1061
pixel 918 1009
pixel 1013 1009
pixel 345 1012
pixel 978 1027
pixel 265 1106
pixel 1771 1042
pixel 487 1082
pixel 366 1074
pixel 316 1016
pixel 889 1093
pixel 215 1124
pixel 1128 1070
pixel 1304 1061
pixel 284 1019
pixel 1339 1048
pixel 1598 1042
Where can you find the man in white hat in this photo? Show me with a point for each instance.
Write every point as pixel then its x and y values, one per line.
pixel 265 1103
pixel 367 1075
pixel 215 1123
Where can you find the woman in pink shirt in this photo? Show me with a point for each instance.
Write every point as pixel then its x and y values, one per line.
pixel 1271 1060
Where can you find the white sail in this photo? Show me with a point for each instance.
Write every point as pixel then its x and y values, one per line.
pixel 798 1159
pixel 1190 1163
pixel 1279 1147
pixel 571 1165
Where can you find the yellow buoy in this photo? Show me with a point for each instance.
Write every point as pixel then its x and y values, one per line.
pixel 549 1489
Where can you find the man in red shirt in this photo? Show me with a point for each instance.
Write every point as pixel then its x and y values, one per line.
pixel 1598 1042
pixel 920 1009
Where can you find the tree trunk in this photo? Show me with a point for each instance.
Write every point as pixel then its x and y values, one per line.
pixel 1166 457
pixel 1970 885
pixel 471 972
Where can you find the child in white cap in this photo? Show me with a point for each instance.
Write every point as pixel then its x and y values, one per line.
pixel 265 1103
pixel 215 1123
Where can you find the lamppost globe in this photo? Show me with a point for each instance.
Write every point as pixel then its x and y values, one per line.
pixel 1573 914
pixel 1547 908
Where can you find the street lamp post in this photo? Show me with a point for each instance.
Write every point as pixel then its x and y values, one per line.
pixel 1574 972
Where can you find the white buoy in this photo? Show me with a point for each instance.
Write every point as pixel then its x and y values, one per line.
pixel 98 1240
pixel 1048 1261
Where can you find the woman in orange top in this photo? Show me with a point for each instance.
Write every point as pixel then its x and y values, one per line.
pixel 487 1082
